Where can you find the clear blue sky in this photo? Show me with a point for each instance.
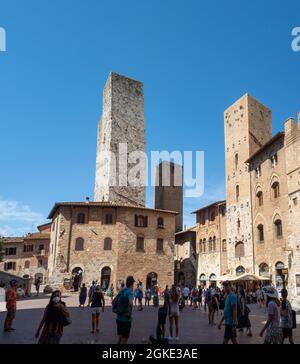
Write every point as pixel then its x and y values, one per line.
pixel 194 57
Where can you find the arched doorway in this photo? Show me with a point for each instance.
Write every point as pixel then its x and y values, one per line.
pixel 105 278
pixel 240 270
pixel 151 281
pixel 203 279
pixel 280 277
pixel 212 278
pixel 76 278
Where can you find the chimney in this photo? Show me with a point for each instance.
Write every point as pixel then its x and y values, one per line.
pixel 87 200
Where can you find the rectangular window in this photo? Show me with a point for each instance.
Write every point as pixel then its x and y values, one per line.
pixel 10 266
pixel 160 245
pixel 11 251
pixel 41 247
pixel 140 244
pixel 28 248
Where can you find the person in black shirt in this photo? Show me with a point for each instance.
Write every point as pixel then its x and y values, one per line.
pixel 97 302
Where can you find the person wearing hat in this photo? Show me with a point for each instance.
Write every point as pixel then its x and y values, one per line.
pixel 11 305
pixel 125 300
pixel 272 326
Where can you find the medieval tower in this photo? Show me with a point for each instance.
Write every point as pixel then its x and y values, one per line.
pixel 169 190
pixel 248 126
pixel 120 162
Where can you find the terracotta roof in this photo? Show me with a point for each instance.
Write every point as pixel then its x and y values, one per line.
pixel 192 229
pixel 13 240
pixel 104 204
pixel 36 236
pixel 272 140
pixel 218 203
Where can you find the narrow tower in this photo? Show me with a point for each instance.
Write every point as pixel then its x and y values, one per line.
pixel 168 190
pixel 121 132
pixel 248 126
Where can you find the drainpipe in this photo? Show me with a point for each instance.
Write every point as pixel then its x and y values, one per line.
pixel 253 243
pixel 69 240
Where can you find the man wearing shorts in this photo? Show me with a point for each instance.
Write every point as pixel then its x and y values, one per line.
pixel 97 303
pixel 124 319
pixel 230 315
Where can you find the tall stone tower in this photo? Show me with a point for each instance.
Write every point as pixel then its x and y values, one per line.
pixel 122 132
pixel 169 190
pixel 248 126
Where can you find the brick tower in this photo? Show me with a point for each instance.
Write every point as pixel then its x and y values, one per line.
pixel 169 190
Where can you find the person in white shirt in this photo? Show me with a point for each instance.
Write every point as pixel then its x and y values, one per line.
pixel 20 292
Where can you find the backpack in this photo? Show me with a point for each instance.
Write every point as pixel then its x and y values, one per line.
pixel 208 295
pixel 120 304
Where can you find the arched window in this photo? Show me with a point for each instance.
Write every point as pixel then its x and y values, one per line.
pixel 261 235
pixel 237 192
pixel 264 270
pixel 214 244
pixel 79 244
pixel 210 245
pixel 260 198
pixel 27 264
pixel 240 270
pixel 80 218
pixel 278 228
pixel 160 245
pixel 276 189
pixel 108 219
pixel 160 223
pixel 200 245
pixel 224 245
pixel 236 160
pixel 107 244
pixel 204 246
pixel 239 250
pixel 140 244
pixel 212 215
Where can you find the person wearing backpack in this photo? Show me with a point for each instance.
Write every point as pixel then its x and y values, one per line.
pixel 286 315
pixel 122 305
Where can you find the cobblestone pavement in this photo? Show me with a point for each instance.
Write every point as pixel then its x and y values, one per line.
pixel 193 325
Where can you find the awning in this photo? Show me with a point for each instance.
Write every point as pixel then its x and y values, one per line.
pixel 243 277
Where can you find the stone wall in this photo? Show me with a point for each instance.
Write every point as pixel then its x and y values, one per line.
pixel 122 122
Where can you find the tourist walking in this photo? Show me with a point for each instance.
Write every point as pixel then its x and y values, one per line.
pixel 11 305
pixel 97 304
pixel 140 297
pixel 243 320
pixel 200 291
pixel 122 306
pixel 147 297
pixel 272 326
pixel 56 317
pixel 136 294
pixel 91 291
pixel 37 284
pixel 230 315
pixel 174 312
pixel 194 295
pixel 82 295
pixel 286 314
pixel 186 293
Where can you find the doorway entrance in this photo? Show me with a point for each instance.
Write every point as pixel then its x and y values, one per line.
pixel 76 278
pixel 105 278
pixel 151 280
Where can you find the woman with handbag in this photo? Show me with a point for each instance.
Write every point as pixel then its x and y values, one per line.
pixel 243 320
pixel 56 316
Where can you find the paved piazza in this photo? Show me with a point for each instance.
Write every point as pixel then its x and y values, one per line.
pixel 194 328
